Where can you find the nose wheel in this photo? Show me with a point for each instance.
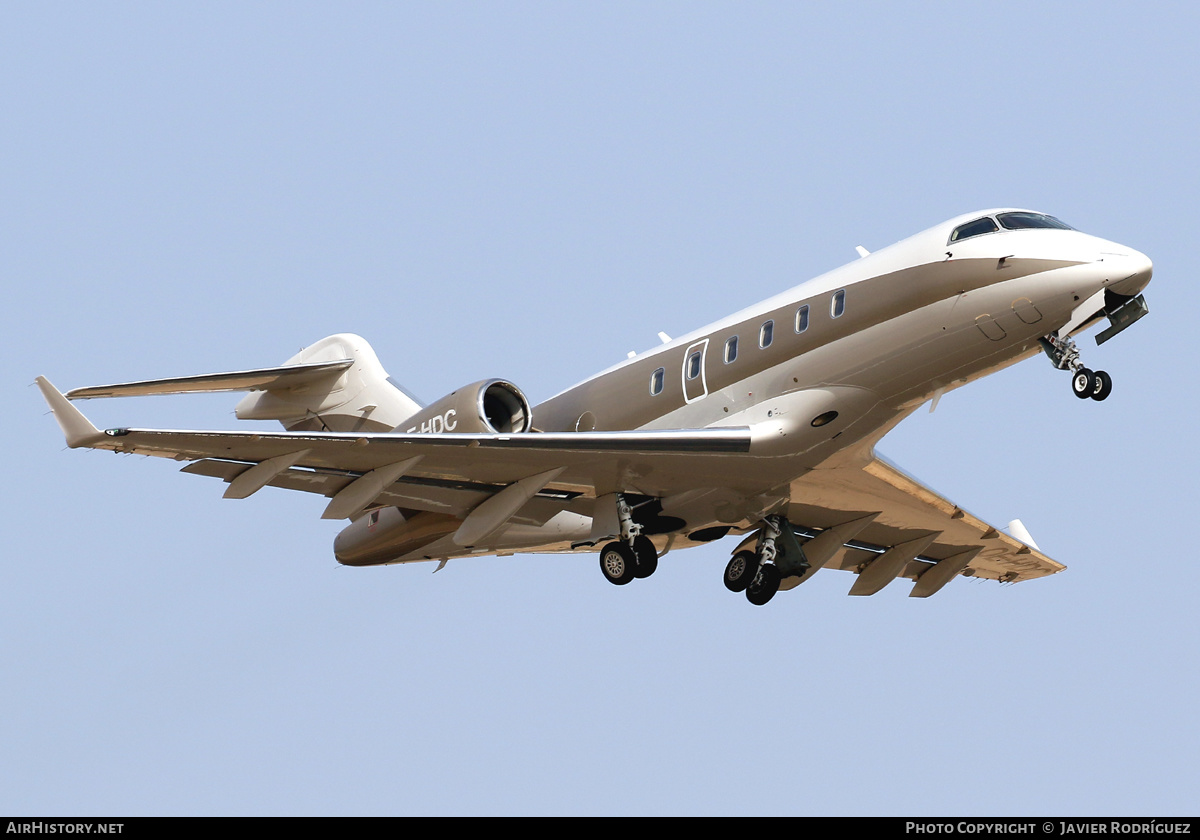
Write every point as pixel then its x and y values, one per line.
pixel 1085 383
pixel 1094 384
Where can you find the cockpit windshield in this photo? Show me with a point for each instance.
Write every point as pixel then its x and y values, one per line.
pixel 1024 221
pixel 1009 221
pixel 975 228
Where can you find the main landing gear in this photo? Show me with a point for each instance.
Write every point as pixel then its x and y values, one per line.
pixel 633 555
pixel 756 572
pixel 621 563
pixel 1084 382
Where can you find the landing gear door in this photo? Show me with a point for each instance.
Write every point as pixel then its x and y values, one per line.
pixel 695 386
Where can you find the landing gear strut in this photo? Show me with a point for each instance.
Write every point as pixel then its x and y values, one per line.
pixel 1084 382
pixel 633 555
pixel 755 572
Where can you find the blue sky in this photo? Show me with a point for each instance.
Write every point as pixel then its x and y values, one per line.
pixel 530 191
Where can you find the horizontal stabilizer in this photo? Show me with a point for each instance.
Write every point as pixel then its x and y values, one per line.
pixel 262 379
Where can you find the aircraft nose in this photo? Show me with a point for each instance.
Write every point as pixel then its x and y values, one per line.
pixel 1131 272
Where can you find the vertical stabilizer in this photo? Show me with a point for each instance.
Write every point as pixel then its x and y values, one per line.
pixel 361 398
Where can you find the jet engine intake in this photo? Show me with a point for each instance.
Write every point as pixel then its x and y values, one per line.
pixel 491 406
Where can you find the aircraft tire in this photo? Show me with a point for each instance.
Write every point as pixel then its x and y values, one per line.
pixel 617 563
pixel 740 571
pixel 1083 383
pixel 647 557
pixel 1103 386
pixel 764 586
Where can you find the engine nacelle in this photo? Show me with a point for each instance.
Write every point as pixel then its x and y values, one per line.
pixel 488 407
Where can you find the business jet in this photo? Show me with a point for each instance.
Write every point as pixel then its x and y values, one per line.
pixel 762 425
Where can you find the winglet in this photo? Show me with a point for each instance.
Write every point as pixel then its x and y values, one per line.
pixel 78 430
pixel 1017 530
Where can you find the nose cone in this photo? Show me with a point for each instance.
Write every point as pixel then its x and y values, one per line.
pixel 1131 271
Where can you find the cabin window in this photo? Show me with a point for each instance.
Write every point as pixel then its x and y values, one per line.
pixel 731 349
pixel 656 382
pixel 693 365
pixel 802 318
pixel 838 306
pixel 975 228
pixel 766 333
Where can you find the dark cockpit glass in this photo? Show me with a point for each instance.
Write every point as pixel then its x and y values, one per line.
pixel 975 228
pixel 1025 221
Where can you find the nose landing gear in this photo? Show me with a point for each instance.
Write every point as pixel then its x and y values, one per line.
pixel 1095 384
pixel 1064 354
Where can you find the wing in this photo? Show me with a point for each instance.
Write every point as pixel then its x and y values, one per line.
pixel 442 472
pixel 854 512
pixel 893 526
